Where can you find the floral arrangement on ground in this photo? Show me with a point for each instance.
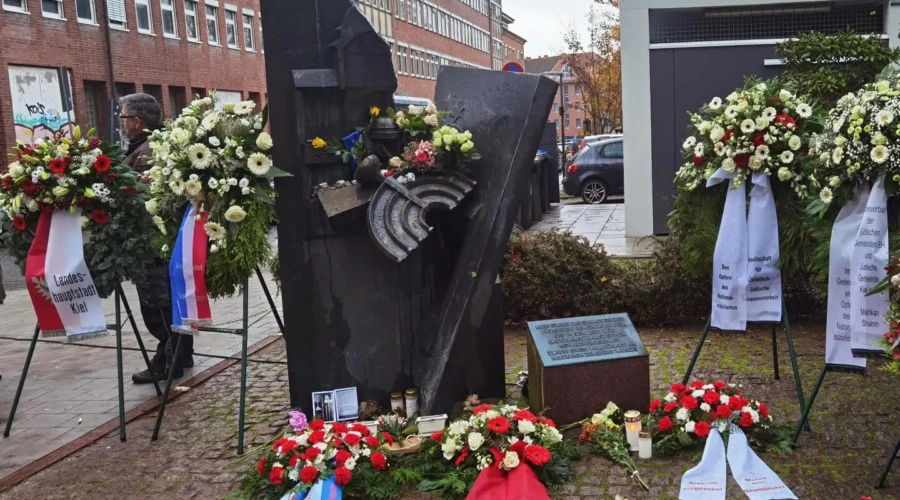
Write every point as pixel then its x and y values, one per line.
pixel 683 419
pixel 82 174
pixel 891 339
pixel 217 160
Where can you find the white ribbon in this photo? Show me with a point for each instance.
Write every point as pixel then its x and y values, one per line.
pixel 868 258
pixel 729 305
pixel 706 481
pixel 757 480
pixel 763 274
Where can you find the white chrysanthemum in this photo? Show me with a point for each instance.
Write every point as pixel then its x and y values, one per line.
pixel 715 103
pixel 880 154
pixel 669 398
pixel 762 151
pixel 804 110
pixel 729 165
pixel 723 399
pixel 177 186
pixel 689 142
pixel 826 195
pixel 705 407
pixel 689 426
pixel 682 414
pixel 784 174
pixel 785 94
pixel 199 155
pixel 698 393
pixel 731 111
pixel 719 148
pixel 193 188
pixel 180 136
pixel 884 117
pixel 769 113
pixel 748 126
pixel 215 230
pixel 244 107
pixel 259 164
pixel 699 149
pixel 209 121
pixel 837 125
pixel 787 157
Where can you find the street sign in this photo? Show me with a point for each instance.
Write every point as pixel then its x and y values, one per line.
pixel 513 67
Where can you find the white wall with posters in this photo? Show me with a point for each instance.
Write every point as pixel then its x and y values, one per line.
pixel 39 102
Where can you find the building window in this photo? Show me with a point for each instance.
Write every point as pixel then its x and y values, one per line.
pixel 155 91
pixel 190 20
pixel 84 10
pixel 15 5
pixel 248 32
pixel 577 90
pixel 556 107
pixel 52 8
pixel 167 14
pixel 115 12
pixel 262 48
pixel 94 100
pixel 577 105
pixel 401 60
pixel 578 123
pixel 400 9
pixel 142 16
pixel 231 29
pixel 212 25
pixel 177 100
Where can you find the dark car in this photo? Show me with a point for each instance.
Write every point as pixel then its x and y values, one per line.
pixel 596 172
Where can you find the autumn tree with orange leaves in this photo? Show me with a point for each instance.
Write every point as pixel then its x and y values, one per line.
pixel 597 66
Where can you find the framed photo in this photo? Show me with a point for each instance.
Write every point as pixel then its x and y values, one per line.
pixel 336 405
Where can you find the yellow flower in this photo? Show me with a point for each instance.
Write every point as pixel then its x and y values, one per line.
pixel 318 143
pixel 603 279
pixel 374 111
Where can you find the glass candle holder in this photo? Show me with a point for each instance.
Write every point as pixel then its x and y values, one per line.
pixel 632 428
pixel 645 445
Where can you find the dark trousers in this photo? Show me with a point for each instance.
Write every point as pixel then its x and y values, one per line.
pixel 156 308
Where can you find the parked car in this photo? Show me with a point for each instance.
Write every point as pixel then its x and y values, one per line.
pixel 594 138
pixel 596 172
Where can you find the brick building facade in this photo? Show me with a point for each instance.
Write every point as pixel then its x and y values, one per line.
pixel 576 123
pixel 171 49
pixel 513 44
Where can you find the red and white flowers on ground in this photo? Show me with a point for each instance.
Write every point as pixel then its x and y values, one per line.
pixel 498 435
pixel 761 128
pixel 694 410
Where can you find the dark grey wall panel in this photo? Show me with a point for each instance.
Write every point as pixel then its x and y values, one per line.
pixel 663 133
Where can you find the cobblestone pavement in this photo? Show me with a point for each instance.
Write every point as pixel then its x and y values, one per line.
pixel 602 224
pixel 853 428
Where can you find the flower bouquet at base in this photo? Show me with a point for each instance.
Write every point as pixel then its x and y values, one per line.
pixel 78 175
pixel 763 127
pixel 605 436
pixel 509 447
pixel 685 416
pixel 400 437
pixel 890 342
pixel 216 163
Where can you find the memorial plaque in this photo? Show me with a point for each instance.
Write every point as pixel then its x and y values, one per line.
pixel 577 365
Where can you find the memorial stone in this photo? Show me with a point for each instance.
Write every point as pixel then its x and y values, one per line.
pixel 578 365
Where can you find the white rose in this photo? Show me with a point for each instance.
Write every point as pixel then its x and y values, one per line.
pixel 475 441
pixel 152 206
pixel 459 427
pixel 396 162
pixel 834 181
pixel 526 427
pixel 431 108
pixel 510 460
pixel 214 141
pixel 449 449
pixel 729 165
pixel 716 134
pixel 235 214
pixel 431 120
pixel 264 141
pixel 762 123
pixel 414 111
pixel 16 169
pixel 784 174
pixel 895 280
pixel 795 142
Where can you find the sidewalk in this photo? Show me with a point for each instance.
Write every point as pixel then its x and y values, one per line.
pixel 72 389
pixel 601 224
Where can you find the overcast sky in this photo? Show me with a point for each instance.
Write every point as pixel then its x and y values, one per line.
pixel 543 22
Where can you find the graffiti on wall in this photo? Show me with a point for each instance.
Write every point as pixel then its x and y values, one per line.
pixel 39 103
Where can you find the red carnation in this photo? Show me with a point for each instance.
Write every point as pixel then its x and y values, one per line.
pixel 379 461
pixel 481 409
pixel 462 456
pixel 93 143
pixel 338 428
pixel 546 421
pixel 746 420
pixel 276 475
pixel 711 397
pixel 665 424
pixel 736 403
pixel 100 217
pixel 261 466
pixel 341 456
pixel 678 388
pixel 57 166
pixel 437 436
pixel 498 424
pixel 293 461
pixel 342 476
pixel 696 384
pixel 537 455
pixel 372 441
pixel 316 437
pixel 763 410
pixel 288 446
pixel 524 415
pixel 308 474
pixel 670 407
pixel 317 425
pixel 689 402
pixel 102 164
pixel 335 442
pixel 759 139
pixel 362 429
pixel 699 160
pixel 352 439
pixel 701 429
pixel 723 411
pixel 719 385
pixel 742 160
pixel 387 437
pixel 19 223
pixel 311 453
pixel 655 405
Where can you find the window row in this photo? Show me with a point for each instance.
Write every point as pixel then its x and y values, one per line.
pixel 86 12
pixel 439 21
pixel 422 64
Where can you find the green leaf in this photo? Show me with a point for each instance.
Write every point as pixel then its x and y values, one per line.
pixel 277 172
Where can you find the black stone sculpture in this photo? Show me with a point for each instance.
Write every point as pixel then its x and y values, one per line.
pixel 390 286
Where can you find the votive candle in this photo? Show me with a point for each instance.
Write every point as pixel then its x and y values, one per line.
pixel 645 445
pixel 632 428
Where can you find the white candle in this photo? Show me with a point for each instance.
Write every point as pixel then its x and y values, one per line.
pixel 645 445
pixel 632 428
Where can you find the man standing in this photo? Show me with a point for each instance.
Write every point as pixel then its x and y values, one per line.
pixel 139 114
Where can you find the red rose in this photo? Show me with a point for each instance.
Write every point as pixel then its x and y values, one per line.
pixel 387 437
pixel 341 456
pixel 308 474
pixel 746 420
pixel 537 455
pixel 352 439
pixel 481 409
pixel 31 189
pixel 727 137
pixel 362 429
pixel 261 466
pixel 372 441
pixel 699 160
pixel 665 424
pixel 462 456
pixel 57 166
pixel 421 156
pixel 19 223
pixel 711 397
pixel 311 453
pixel 524 415
pixel 701 429
pixel 696 384
pixel 338 428
pixel 317 425
pixel 102 164
pixel 437 436
pixel 498 425
pixel 655 405
pixel 670 407
pixel 759 139
pixel 742 160
pixel 100 217
pixel 389 173
pixel 678 388
pixel 93 143
pixel 316 437
pixel 763 410
pixel 723 411
pixel 718 385
pixel 293 461
pixel 546 421
pixel 379 461
pixel 342 476
pixel 276 475
pixel 689 402
pixel 129 190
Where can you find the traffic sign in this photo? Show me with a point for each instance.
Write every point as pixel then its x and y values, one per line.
pixel 513 67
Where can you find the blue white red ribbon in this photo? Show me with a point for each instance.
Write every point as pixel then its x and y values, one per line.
pixel 322 490
pixel 187 271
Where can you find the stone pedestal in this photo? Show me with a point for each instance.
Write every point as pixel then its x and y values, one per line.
pixel 578 365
